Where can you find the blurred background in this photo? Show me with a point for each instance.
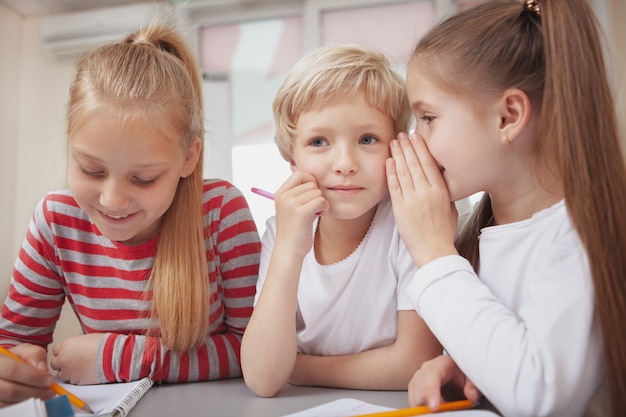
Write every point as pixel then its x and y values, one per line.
pixel 245 49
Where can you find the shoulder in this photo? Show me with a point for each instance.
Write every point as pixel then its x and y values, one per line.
pixel 59 206
pixel 222 199
pixel 218 188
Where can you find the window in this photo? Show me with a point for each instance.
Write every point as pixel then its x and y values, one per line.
pixel 246 53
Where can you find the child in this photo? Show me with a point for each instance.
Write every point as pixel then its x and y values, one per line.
pixel 328 310
pixel 512 99
pixel 159 266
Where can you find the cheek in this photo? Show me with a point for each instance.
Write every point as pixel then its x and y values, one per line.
pixel 308 164
pixel 78 186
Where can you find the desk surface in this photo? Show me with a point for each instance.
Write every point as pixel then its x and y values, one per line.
pixel 232 398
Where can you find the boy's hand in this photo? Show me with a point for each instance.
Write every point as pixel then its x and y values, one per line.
pixel 75 359
pixel 425 217
pixel 430 379
pixel 298 202
pixel 20 381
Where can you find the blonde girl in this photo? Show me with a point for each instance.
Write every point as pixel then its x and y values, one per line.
pixel 159 265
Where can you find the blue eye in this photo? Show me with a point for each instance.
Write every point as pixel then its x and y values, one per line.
pixel 368 140
pixel 317 142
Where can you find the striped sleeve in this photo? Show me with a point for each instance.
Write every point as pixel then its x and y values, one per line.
pixel 233 249
pixel 35 298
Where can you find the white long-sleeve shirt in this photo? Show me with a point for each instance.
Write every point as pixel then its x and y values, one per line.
pixel 524 329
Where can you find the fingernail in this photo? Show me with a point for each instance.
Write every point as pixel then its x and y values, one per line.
pixel 433 405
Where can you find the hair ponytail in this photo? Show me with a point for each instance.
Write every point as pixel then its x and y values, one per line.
pixel 589 149
pixel 179 277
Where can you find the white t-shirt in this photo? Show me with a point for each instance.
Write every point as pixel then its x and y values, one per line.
pixel 350 306
pixel 524 331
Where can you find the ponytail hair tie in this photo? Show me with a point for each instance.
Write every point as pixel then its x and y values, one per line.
pixel 532 6
pixel 142 42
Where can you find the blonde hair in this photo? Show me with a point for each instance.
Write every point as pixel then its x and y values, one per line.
pixel 152 73
pixel 557 59
pixel 330 72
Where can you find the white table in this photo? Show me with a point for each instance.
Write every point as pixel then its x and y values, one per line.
pixel 232 398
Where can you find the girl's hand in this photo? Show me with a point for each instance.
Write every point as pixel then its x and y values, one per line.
pixel 20 381
pixel 298 202
pixel 430 379
pixel 425 216
pixel 75 359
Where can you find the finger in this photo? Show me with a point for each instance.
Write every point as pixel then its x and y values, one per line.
pixel 407 170
pixel 62 377
pixel 33 355
pixel 55 363
pixel 20 373
pixel 470 391
pixel 395 192
pixel 11 392
pixel 430 168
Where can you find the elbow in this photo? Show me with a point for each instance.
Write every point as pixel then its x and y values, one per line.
pixel 262 380
pixel 261 386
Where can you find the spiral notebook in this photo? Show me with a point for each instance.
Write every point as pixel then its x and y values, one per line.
pixel 111 400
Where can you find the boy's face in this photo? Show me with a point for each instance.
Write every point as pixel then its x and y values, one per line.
pixel 344 145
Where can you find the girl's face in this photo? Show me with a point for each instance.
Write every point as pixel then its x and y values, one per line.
pixel 344 145
pixel 464 140
pixel 124 174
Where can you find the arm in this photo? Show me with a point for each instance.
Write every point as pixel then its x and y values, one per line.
pixel 388 368
pixel 29 314
pixel 269 345
pixel 36 296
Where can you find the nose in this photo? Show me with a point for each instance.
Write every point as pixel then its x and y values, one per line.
pixel 345 161
pixel 114 196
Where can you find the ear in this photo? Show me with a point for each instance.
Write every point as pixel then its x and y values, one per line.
pixel 292 165
pixel 514 110
pixel 192 157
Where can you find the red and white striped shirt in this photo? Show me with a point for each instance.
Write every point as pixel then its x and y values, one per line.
pixel 64 255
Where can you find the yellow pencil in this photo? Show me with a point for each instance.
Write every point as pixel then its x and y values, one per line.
pixel 422 409
pixel 55 387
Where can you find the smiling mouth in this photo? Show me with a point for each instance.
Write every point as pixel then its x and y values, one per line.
pixel 345 188
pixel 110 216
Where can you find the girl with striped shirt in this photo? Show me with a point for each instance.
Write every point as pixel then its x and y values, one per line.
pixel 159 265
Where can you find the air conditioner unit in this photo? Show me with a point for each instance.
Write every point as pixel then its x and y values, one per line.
pixel 66 36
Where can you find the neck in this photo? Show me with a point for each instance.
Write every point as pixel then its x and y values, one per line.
pixel 336 239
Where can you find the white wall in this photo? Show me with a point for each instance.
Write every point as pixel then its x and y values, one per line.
pixel 32 146
pixel 10 39
pixel 33 94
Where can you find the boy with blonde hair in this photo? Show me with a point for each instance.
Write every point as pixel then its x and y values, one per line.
pixel 330 309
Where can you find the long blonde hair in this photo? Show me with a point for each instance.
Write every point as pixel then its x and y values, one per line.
pixel 152 72
pixel 556 58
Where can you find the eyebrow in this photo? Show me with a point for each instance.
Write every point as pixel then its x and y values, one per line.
pixel 156 164
pixel 416 105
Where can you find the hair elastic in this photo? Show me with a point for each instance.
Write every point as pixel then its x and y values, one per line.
pixel 533 6
pixel 142 42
